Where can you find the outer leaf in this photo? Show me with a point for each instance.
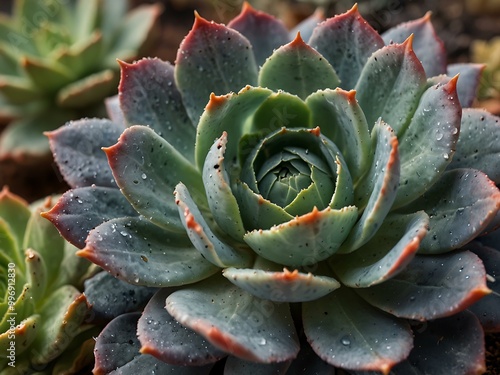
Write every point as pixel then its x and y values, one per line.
pixel 308 24
pixel 214 54
pixel 164 338
pixel 16 213
pixel 306 239
pixel 427 146
pixel 460 206
pixel 479 143
pixel 427 45
pixel 346 41
pixel 431 287
pixel 114 111
pixel 77 151
pixel 25 332
pixel 377 189
pixel 264 32
pixel 341 120
pixel 47 76
pixel 141 253
pixel 386 254
pixel 390 85
pixel 149 96
pixel 298 69
pixel 80 210
pixel 147 168
pixel 233 320
pixel 347 332
pixel 470 75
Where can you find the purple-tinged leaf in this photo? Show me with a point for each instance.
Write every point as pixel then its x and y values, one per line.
pixel 233 320
pixel 238 366
pixel 432 286
pixel 147 168
pixel 390 85
pixel 149 96
pixel 80 210
pixel 264 32
pixel 347 332
pixel 386 254
pixel 479 143
pixel 346 41
pixel 218 56
pixel 110 297
pixel 487 309
pixel 460 206
pixel 163 337
pixel 428 144
pixel 141 253
pixel 470 75
pixel 377 189
pixel 114 111
pixel 427 45
pixel 307 25
pixel 77 151
pixel 298 69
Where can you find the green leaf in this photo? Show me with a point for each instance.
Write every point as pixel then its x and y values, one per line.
pixel 298 69
pixel 427 146
pixel 47 76
pixel 82 58
pixel 390 85
pixel 377 189
pixel 149 96
pixel 342 120
pixel 111 15
pixel 36 273
pixel 233 320
pixel 347 332
pixel 346 41
pixel 479 143
pixel 212 248
pixel 431 287
pixel 141 253
pixel 460 206
pixel 216 55
pixel 18 90
pixel 15 212
pixel 306 239
pixel 147 168
pixel 166 339
pixel 386 254
pixel 25 332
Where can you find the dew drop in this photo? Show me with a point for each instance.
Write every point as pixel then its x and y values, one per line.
pixel 262 341
pixel 345 341
pixel 143 176
pixel 439 136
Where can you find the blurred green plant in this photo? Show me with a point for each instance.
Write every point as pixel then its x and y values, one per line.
pixel 488 53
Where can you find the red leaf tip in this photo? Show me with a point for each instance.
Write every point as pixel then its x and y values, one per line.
pixel 408 44
pixel 298 41
pixel 451 87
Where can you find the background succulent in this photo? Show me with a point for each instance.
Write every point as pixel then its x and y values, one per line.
pixel 58 62
pixel 488 53
pixel 335 183
pixel 42 311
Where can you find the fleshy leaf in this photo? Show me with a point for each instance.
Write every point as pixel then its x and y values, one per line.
pixel 427 45
pixel 222 203
pixel 479 143
pixel 147 168
pixel 341 120
pixel 308 24
pixel 298 69
pixel 142 253
pixel 25 333
pixel 48 77
pixel 203 237
pixel 114 111
pixel 386 254
pixel 428 145
pixel 233 320
pixel 306 239
pixel 217 55
pixel 308 360
pixel 235 365
pixel 390 85
pixel 111 297
pixel 286 286
pixel 80 210
pixel 431 287
pixel 149 96
pixel 77 151
pixel 377 189
pixel 264 32
pixel 14 210
pixel 460 206
pixel 346 41
pixel 347 332
pixel 163 337
pixel 470 75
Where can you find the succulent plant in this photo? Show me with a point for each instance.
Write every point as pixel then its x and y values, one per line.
pixel 42 310
pixel 58 61
pixel 324 196
pixel 488 53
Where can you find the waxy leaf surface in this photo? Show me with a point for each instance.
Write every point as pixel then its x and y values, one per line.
pixel 470 76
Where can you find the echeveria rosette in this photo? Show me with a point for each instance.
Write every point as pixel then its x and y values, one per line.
pixel 302 211
pixel 58 62
pixel 42 311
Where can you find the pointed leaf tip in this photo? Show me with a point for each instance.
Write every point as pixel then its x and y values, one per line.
pixel 216 101
pixel 451 86
pixel 298 41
